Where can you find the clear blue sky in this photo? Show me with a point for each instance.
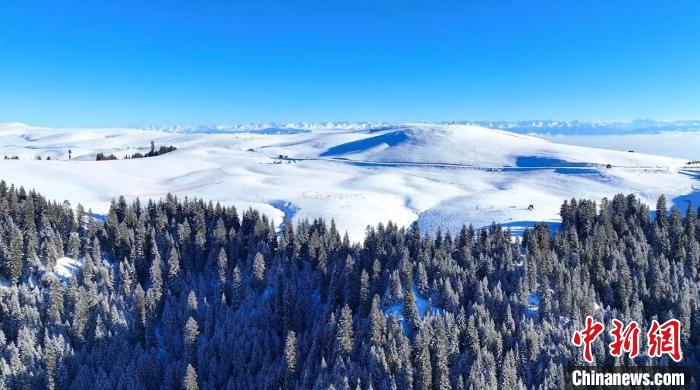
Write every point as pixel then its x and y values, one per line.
pixel 103 63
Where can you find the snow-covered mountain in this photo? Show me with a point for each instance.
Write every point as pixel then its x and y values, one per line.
pixel 265 128
pixel 440 175
pixel 639 126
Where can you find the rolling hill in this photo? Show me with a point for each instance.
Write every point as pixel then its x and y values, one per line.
pixel 439 175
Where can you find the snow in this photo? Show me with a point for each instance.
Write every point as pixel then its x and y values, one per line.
pixel 685 145
pixel 517 228
pixel 267 293
pixel 67 268
pixel 692 198
pixel 358 174
pixel 423 305
pixel 533 305
pixel 383 141
pixel 533 299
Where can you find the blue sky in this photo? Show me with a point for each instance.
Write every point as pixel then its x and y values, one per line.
pixel 110 63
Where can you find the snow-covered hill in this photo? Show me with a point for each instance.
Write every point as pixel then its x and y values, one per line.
pixel 358 174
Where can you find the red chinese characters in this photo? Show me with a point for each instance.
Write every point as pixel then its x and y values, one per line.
pixel 665 339
pixel 662 339
pixel 587 336
pixel 626 339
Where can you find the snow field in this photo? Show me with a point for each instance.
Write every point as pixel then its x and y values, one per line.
pixel 439 175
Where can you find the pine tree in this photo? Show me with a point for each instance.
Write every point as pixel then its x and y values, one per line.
pixel 192 302
pixel 509 374
pixel 190 381
pixel 345 331
pixel 422 282
pixel 394 291
pixel 422 362
pixel 74 246
pixel 410 312
pixel 55 303
pixel 141 312
pixel 200 240
pixel 377 323
pixel 290 355
pixel 661 212
pixel 49 363
pixel 237 289
pixel 363 294
pixel 442 368
pixel 155 292
pixel 190 334
pixel 173 264
pixel 13 266
pixel 259 270
pixel 126 277
pixel 222 265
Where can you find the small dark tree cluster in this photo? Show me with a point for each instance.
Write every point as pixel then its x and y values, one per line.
pixel 182 293
pixel 153 152
pixel 103 157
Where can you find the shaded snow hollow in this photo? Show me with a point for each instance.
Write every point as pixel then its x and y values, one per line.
pixel 423 305
pixel 533 305
pixel 67 269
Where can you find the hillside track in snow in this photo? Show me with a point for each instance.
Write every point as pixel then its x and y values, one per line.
pixel 468 166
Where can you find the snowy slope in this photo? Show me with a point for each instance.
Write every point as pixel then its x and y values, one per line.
pixel 475 146
pixel 439 175
pixel 678 144
pixel 66 269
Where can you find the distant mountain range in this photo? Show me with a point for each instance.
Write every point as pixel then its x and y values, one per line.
pixel 266 128
pixel 639 126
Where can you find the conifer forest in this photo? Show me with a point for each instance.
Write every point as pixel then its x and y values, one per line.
pixel 189 294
